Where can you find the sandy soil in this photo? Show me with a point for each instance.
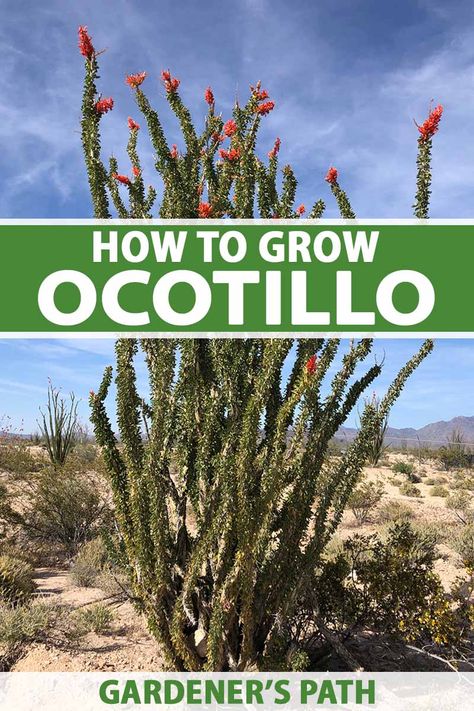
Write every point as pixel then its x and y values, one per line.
pixel 127 647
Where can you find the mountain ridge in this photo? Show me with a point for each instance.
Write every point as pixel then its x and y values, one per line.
pixel 434 434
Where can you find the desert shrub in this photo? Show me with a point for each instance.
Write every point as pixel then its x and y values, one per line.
pixel 461 503
pixel 89 563
pixel 389 586
pixel 59 425
pixel 439 490
pixel 463 544
pixel 16 580
pixel 17 458
pixel 226 506
pixel 363 500
pixel 454 455
pixel 409 489
pixel 63 506
pixel 408 471
pixel 394 511
pixel 26 623
pixel 93 618
pixel 463 481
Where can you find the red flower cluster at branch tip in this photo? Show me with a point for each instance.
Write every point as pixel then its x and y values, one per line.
pixel 86 47
pixel 275 150
pixel 204 209
pixel 174 151
pixel 121 178
pixel 217 137
pixel 134 80
pixel 311 364
pixel 230 127
pixel 265 108
pixel 104 105
pixel 133 125
pixel 300 210
pixel 171 83
pixel 91 393
pixel 429 127
pixel 136 171
pixel 209 96
pixel 331 175
pixel 232 154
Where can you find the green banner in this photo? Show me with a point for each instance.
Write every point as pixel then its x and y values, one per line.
pixel 258 277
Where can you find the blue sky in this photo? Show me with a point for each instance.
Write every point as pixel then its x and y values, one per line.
pixel 348 78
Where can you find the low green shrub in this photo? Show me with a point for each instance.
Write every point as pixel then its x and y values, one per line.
pixel 63 506
pixel 408 471
pixel 16 580
pixel 463 544
pixel 94 618
pixel 394 510
pixel 364 500
pixel 409 489
pixel 460 502
pixel 389 586
pixel 26 623
pixel 89 563
pixel 439 490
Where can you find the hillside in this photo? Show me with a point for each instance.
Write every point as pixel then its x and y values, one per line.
pixel 434 434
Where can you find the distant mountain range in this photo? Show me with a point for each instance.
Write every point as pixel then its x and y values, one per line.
pixel 433 435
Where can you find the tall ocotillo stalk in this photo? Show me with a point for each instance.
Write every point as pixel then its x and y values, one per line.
pixel 225 508
pixel 59 425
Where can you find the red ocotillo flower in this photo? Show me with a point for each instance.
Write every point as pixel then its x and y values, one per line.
pixel 136 171
pixel 331 175
pixel 275 150
pixel 133 125
pixel 217 138
pixel 134 80
pixel 230 127
pixel 104 105
pixel 209 96
pixel 204 209
pixel 174 151
pixel 311 364
pixel 86 47
pixel 265 108
pixel 125 180
pixel 300 210
pixel 429 127
pixel 231 155
pixel 171 83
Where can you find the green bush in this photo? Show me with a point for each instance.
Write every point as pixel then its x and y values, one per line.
pixel 16 580
pixel 89 563
pixel 463 544
pixel 394 511
pixel 17 458
pixel 64 507
pixel 388 586
pixel 363 500
pixel 439 490
pixel 408 470
pixel 461 503
pixel 26 623
pixel 94 618
pixel 409 489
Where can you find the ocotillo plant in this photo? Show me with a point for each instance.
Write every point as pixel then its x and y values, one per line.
pixel 378 446
pixel 59 425
pixel 225 507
